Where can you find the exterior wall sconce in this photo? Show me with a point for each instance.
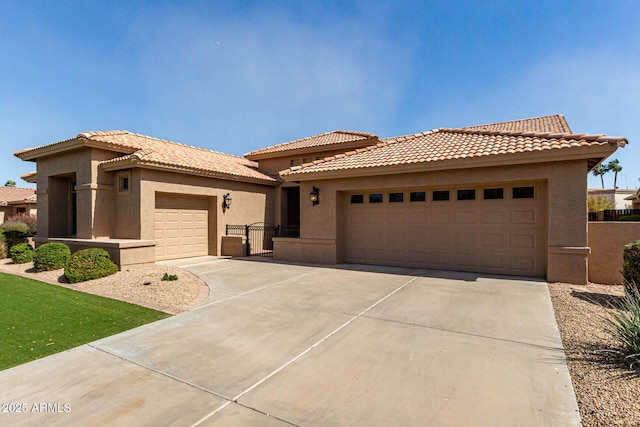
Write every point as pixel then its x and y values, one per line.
pixel 226 202
pixel 315 196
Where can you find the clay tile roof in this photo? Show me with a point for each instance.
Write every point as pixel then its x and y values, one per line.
pixel 554 123
pixel 155 152
pixel 451 144
pixel 16 194
pixel 29 177
pixel 634 196
pixel 323 139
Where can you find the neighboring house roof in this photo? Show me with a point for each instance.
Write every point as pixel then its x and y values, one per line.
pixel 145 151
pixel 444 148
pixel 312 143
pixel 555 123
pixel 14 195
pixel 634 196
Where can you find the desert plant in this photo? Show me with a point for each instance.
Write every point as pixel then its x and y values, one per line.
pixel 169 277
pixel 631 265
pixel 51 256
pixel 624 327
pixel 89 264
pixel 21 253
pixel 600 203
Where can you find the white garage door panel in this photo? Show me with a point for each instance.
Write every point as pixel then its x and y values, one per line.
pixel 181 227
pixel 505 236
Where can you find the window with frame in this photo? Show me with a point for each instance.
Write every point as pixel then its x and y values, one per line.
pixel 124 183
pixel 493 193
pixel 440 195
pixel 396 197
pixel 466 194
pixel 357 198
pixel 375 198
pixel 523 193
pixel 417 196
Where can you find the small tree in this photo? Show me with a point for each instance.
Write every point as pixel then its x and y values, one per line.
pixel 10 183
pixel 614 165
pixel 600 203
pixel 600 170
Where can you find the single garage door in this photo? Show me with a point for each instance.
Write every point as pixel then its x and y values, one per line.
pixel 181 226
pixel 494 229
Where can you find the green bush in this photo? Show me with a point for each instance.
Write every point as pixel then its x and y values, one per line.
pixel 3 245
pixel 169 277
pixel 15 233
pixel 89 264
pixel 624 326
pixel 51 256
pixel 634 217
pixel 631 266
pixel 21 253
pixel 28 220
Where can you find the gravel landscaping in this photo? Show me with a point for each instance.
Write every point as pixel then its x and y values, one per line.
pixel 608 393
pixel 129 285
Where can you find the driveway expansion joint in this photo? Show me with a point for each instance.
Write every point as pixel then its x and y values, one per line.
pixel 157 371
pixel 469 334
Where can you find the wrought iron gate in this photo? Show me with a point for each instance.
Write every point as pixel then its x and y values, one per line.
pixel 259 236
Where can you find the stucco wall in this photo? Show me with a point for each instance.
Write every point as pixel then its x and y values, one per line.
pixel 566 217
pixel 250 202
pixel 607 241
pixel 92 189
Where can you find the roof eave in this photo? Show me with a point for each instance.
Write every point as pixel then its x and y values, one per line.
pixel 33 154
pixel 129 163
pixel 68 145
pixel 543 156
pixel 316 149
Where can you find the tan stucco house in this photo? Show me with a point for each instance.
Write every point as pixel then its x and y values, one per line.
pixel 17 200
pixel 634 199
pixel 506 198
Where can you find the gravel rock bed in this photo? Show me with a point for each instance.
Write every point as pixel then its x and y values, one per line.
pixel 608 393
pixel 128 285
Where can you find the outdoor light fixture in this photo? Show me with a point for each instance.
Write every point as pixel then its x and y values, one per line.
pixel 226 201
pixel 315 196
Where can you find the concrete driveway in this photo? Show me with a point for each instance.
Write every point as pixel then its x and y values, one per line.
pixel 279 344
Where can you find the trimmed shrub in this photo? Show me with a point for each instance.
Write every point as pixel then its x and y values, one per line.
pixel 29 220
pixel 89 264
pixel 15 233
pixel 21 253
pixel 51 256
pixel 3 245
pixel 634 217
pixel 631 266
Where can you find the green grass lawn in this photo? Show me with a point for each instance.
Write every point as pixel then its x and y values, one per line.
pixel 38 319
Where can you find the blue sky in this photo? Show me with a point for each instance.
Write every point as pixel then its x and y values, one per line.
pixel 239 75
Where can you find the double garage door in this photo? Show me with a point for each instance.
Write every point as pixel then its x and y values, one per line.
pixel 181 226
pixel 494 229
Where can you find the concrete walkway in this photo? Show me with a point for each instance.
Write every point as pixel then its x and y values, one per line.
pixel 279 344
